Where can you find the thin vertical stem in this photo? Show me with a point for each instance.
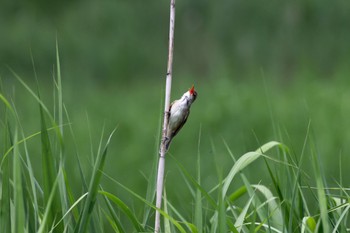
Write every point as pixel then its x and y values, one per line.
pixel 162 150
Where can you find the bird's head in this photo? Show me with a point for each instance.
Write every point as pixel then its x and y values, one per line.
pixel 190 96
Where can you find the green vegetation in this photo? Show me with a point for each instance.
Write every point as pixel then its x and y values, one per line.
pixel 272 189
pixel 265 149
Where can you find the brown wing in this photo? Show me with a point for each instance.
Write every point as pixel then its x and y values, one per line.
pixel 169 112
pixel 170 108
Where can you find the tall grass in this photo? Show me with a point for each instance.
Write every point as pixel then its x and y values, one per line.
pixel 293 200
pixel 28 205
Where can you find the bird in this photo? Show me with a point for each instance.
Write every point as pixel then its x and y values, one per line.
pixel 179 111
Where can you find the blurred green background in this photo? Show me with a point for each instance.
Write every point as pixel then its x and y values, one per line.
pixel 263 70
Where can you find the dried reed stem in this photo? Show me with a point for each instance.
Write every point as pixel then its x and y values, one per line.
pixel 162 150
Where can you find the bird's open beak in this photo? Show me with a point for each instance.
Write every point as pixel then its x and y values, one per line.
pixel 192 90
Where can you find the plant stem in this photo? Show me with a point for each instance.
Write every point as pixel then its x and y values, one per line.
pixel 162 150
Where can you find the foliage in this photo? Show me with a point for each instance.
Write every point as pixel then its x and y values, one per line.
pixel 103 44
pixel 265 72
pixel 281 194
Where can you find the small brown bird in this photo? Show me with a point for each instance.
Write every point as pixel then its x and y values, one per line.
pixel 179 111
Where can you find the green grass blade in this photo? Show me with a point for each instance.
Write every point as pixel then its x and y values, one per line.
pixel 152 183
pixel 269 145
pixel 7 104
pixel 296 208
pixel 36 97
pixel 173 221
pixel 240 220
pixel 237 194
pixel 256 200
pixel 72 208
pixel 75 212
pixel 222 228
pixel 84 183
pixel 341 218
pixel 32 136
pixel 49 175
pixel 114 219
pixel 93 190
pixel 308 224
pixel 274 208
pixel 5 198
pixel 198 213
pixel 29 185
pixel 48 209
pixel 195 183
pixel 321 194
pixel 62 191
pixel 152 180
pixel 122 206
pixel 19 223
pixel 151 187
pixel 167 226
pixel 245 160
pixel 59 90
pixel 171 209
pixel 112 222
pixel 62 182
pixel 32 196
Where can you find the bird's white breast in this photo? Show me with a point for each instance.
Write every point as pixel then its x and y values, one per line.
pixel 177 113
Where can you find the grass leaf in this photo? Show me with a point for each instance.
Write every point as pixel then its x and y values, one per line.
pixel 5 198
pixel 48 210
pixel 244 161
pixel 321 194
pixel 93 190
pixel 125 209
pixel 19 223
pixel 49 175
